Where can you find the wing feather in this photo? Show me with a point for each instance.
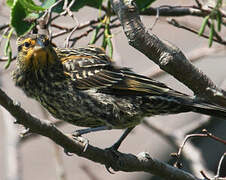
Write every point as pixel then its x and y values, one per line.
pixel 92 68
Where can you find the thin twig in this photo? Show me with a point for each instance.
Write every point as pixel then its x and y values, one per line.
pixel 195 158
pixel 219 165
pixel 178 25
pixel 80 26
pixel 214 137
pixel 198 3
pixel 205 134
pixel 68 11
pixel 186 139
pixel 175 11
pixel 3 26
pixel 204 175
pixel 45 20
pixel 156 19
pixel 4 33
pixel 4 58
pixel 74 40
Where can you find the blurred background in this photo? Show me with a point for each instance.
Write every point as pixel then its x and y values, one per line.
pixel 39 158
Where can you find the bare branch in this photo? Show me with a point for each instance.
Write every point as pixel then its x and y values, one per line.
pixel 219 165
pixel 31 136
pixel 4 58
pixel 195 158
pixel 175 11
pixel 3 26
pixel 218 38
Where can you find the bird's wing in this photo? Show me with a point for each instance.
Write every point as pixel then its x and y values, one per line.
pixel 92 68
pixel 89 68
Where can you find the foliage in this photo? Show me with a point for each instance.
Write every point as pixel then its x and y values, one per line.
pixel 23 10
pixel 24 14
pixel 210 19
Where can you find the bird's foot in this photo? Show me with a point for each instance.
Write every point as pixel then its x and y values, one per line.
pixel 81 140
pixel 115 156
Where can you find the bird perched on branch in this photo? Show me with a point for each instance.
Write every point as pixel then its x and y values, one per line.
pixel 83 87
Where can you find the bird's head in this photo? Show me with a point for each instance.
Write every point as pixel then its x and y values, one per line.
pixel 35 52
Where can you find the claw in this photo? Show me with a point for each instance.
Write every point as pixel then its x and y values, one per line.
pixel 85 142
pixel 25 132
pixel 82 140
pixel 116 154
pixel 108 169
pixel 68 153
pixel 76 133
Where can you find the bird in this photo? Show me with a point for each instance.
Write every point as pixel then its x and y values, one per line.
pixel 84 87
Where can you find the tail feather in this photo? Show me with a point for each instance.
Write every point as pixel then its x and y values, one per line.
pixel 209 109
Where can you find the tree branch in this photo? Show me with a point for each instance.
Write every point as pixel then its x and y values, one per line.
pixel 175 11
pixel 167 56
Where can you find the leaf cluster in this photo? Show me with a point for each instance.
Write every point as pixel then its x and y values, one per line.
pixel 210 19
pixel 23 11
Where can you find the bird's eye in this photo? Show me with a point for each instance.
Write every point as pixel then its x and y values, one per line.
pixel 46 43
pixel 27 44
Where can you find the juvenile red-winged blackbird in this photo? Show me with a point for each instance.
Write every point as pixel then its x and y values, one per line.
pixel 83 87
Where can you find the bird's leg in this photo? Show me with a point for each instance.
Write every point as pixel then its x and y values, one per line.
pixel 77 134
pixel 116 145
pixel 80 132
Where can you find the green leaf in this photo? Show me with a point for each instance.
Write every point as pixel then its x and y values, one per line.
pixel 219 20
pixel 47 3
pixel 32 16
pixel 144 4
pixel 8 49
pixel 211 33
pixel 18 13
pixel 9 2
pixel 104 42
pixel 110 46
pixel 9 59
pixel 96 31
pixel 78 5
pixel 204 22
pixel 31 6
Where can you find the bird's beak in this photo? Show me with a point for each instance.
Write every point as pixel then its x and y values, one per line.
pixel 39 44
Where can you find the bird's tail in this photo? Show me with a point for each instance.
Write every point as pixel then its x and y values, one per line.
pixel 208 109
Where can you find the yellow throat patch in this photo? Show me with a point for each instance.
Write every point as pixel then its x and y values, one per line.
pixel 36 56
